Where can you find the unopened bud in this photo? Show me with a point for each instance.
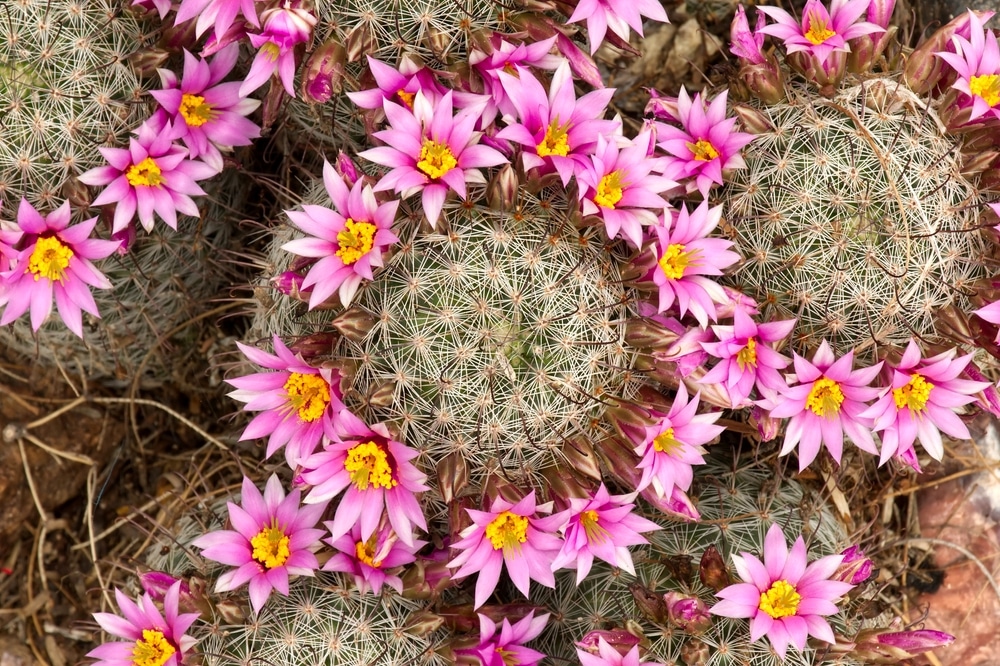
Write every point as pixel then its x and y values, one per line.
pixel 125 238
pixel 502 191
pixel 649 603
pixel 156 584
pixel 347 169
pixel 423 623
pixel 687 612
pixel 323 72
pixel 855 568
pixel 230 612
pixel 145 62
pixel 767 426
pixel 923 69
pixel 622 641
pixel 359 42
pixel 746 45
pixel 662 108
pixel 753 120
pixel 289 283
pixel 453 475
pixel 581 63
pixel 316 344
pixel 695 652
pixel 712 570
pixel 354 324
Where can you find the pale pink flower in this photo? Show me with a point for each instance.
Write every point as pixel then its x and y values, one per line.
pixel 977 62
pixel 820 32
pixel 373 562
pixel 617 16
pixel 285 27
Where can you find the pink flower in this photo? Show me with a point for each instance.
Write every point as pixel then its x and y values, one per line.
pixel 556 129
pixel 348 241
pixel 990 313
pixel 296 401
pixel 504 646
pixel 398 86
pixel 744 43
pixel 285 27
pixel 150 638
pixel 608 656
pixel 513 534
pixel 46 257
pixel 825 404
pixel 920 402
pixel 601 526
pixel 153 175
pixel 377 473
pixel 784 597
pixel 704 145
pixel 212 113
pixel 507 57
pixel 273 538
pixel 616 15
pixel 370 560
pixel 431 150
pixel 977 63
pixel 220 13
pixel 744 362
pixel 685 255
pixel 671 446
pixel 821 32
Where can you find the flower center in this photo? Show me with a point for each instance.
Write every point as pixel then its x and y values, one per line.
pixel 703 150
pixel 355 241
pixel 781 600
pixel 675 260
pixel 49 259
pixel 368 464
pixel 406 98
pixel 986 86
pixel 555 141
pixel 592 527
pixel 507 531
pixel 366 553
pixel 145 173
pixel 747 355
pixel 825 398
pixel 666 443
pixel 271 51
pixel 308 394
pixel 914 394
pixel 609 190
pixel 152 649
pixel 436 159
pixel 195 111
pixel 270 547
pixel 818 32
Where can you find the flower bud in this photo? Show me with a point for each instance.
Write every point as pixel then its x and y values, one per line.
pixel 767 426
pixel 145 62
pixel 622 641
pixel 712 570
pixel 695 652
pixel 881 646
pixel 289 283
pixel 156 584
pixel 316 344
pixel 855 568
pixel 125 238
pixel 423 623
pixel 360 41
pixel 354 324
pixel 662 108
pixel 765 80
pixel 347 169
pixel 753 120
pixel 453 475
pixel 502 191
pixel 323 72
pixel 923 69
pixel 747 45
pixel 649 603
pixel 687 612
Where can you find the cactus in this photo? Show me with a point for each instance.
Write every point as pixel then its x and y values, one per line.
pixel 853 216
pixel 66 87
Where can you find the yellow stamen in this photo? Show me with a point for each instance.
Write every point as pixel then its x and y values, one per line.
pixel 270 547
pixel 825 398
pixel 366 553
pixel 308 394
pixel 676 259
pixel 747 355
pixel 556 141
pixel 436 159
pixel 368 464
pixel 146 173
pixel 703 150
pixel 592 528
pixel 406 98
pixel 195 111
pixel 270 51
pixel 986 86
pixel 355 241
pixel 609 190
pixel 818 31
pixel 781 600
pixel 914 394
pixel 507 531
pixel 666 443
pixel 152 649
pixel 49 259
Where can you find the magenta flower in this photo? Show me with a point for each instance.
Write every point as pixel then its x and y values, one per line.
pixel 556 129
pixel 431 150
pixel 347 241
pixel 601 526
pixel 685 255
pixel 745 44
pixel 744 362
pixel 671 446
pixel 825 404
pixel 513 534
pixel 153 175
pixel 505 646
pixel 705 145
pixel 920 402
pixel 285 27
pixel 608 656
pixel 377 473
pixel 370 560
pixel 211 112
pixel 617 16
pixel 398 86
pixel 507 57
pixel 218 13
pixel 821 32
pixel 273 538
pixel 784 597
pixel 150 638
pixel 296 401
pixel 46 257
pixel 977 62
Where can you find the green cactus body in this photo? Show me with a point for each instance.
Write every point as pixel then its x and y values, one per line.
pixel 852 215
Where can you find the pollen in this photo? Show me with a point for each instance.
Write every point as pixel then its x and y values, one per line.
pixel 146 173
pixel 49 259
pixel 818 31
pixel 987 87
pixel 748 355
pixel 368 465
pixel 308 394
pixel 590 520
pixel 406 98
pixel 436 159
pixel 152 649
pixel 366 553
pixel 914 394
pixel 271 51
pixel 665 442
pixel 507 531
pixel 270 547
pixel 780 600
pixel 825 398
pixel 675 261
pixel 195 111
pixel 703 150
pixel 556 141
pixel 355 241
pixel 609 190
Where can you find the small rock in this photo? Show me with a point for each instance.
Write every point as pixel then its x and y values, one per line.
pixel 13 652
